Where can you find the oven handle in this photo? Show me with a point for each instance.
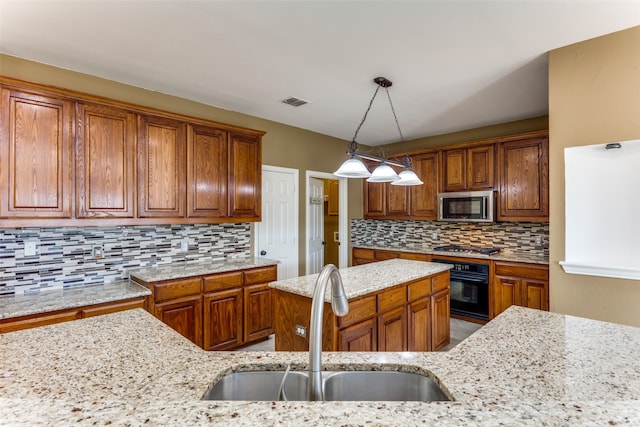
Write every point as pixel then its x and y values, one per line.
pixel 472 280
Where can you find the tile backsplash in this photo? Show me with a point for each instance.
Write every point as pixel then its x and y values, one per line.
pixel 521 237
pixel 64 256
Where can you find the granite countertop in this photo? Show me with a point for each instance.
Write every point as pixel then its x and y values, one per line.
pixel 182 270
pixel 526 367
pixel 503 255
pixel 365 279
pixel 48 301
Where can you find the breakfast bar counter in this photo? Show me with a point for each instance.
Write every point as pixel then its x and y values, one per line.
pixel 526 367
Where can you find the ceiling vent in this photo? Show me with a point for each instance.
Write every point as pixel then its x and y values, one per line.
pixel 296 102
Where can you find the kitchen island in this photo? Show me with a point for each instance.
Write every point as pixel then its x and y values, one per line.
pixel 394 305
pixel 526 367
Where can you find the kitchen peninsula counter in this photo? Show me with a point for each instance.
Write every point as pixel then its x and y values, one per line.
pixel 526 367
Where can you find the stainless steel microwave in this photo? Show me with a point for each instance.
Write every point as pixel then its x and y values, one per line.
pixel 468 206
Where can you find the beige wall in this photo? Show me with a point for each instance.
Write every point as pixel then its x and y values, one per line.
pixel 283 145
pixel 594 98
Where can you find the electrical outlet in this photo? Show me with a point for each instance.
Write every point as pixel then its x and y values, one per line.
pixel 434 236
pixel 184 246
pixel 538 240
pixel 301 331
pixel 29 248
pixel 97 252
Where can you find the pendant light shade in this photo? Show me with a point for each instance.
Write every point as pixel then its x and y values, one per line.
pixel 353 168
pixel 383 173
pixel 407 177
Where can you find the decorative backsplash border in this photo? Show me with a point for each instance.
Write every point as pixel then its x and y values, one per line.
pixel 64 256
pixel 528 238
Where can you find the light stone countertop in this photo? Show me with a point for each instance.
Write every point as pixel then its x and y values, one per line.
pixel 62 299
pixel 526 367
pixel 503 255
pixel 365 279
pixel 183 269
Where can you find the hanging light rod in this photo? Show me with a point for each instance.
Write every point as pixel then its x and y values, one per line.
pixel 354 168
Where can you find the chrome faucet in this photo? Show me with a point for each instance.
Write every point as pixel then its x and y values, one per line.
pixel 340 307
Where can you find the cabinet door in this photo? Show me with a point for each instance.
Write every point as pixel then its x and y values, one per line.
pixel 480 167
pixel 334 197
pixel 454 169
pixel 506 292
pixel 105 150
pixel 419 325
pixel 184 315
pixel 258 312
pixel 223 319
pixel 161 167
pixel 535 294
pixel 206 172
pixel 359 337
pixel 245 176
pixel 374 199
pixel 36 150
pixel 398 199
pixel 440 320
pixel 424 198
pixel 392 330
pixel 524 180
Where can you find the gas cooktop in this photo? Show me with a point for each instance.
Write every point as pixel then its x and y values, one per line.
pixel 471 249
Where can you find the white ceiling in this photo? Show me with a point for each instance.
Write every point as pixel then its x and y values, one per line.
pixel 454 64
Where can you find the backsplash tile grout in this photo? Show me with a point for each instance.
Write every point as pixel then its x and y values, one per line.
pixel 64 255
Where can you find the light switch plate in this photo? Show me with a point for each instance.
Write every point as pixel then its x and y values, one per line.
pixel 29 248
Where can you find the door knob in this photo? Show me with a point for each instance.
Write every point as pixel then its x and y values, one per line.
pixel 263 253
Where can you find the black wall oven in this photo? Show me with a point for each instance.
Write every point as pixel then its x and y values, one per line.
pixel 469 288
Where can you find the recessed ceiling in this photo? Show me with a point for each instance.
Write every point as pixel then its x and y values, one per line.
pixel 454 64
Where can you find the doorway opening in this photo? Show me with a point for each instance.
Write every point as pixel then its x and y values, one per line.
pixel 326 221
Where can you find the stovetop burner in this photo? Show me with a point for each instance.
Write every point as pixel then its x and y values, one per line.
pixel 458 248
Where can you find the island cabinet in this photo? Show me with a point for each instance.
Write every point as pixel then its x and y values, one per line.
pixel 216 311
pixel 411 316
pixel 58 316
pixel 526 285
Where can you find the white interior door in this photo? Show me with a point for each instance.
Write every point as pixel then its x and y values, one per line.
pixel 277 233
pixel 315 229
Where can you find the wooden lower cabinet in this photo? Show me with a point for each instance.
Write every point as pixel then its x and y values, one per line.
pixel 218 311
pixel 43 319
pixel 258 312
pixel 520 284
pixel 400 318
pixel 359 337
pixel 223 313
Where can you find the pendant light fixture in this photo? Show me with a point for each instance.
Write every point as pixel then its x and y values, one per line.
pixel 354 168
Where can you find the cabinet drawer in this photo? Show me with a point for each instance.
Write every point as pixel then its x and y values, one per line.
pixel 363 253
pixel 414 256
pixel 33 321
pixel 441 281
pixel 385 255
pixel 359 310
pixel 223 281
pixel 113 307
pixel 392 298
pixel 419 288
pixel 177 289
pixel 529 271
pixel 261 275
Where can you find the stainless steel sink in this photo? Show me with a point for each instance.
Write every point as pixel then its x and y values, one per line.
pixel 381 386
pixel 337 385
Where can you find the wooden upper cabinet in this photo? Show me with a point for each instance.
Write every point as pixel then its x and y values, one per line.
pixel 36 149
pixel 374 199
pixel 524 179
pixel 206 171
pixel 161 167
pixel 424 198
pixel 468 169
pixel 398 199
pixel 383 200
pixel 105 150
pixel 245 176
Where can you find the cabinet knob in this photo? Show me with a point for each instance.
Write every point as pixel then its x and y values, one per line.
pixel 263 253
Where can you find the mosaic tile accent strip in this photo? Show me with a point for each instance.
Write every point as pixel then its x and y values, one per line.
pixel 64 256
pixel 523 237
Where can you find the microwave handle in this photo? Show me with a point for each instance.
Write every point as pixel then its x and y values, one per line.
pixel 484 208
